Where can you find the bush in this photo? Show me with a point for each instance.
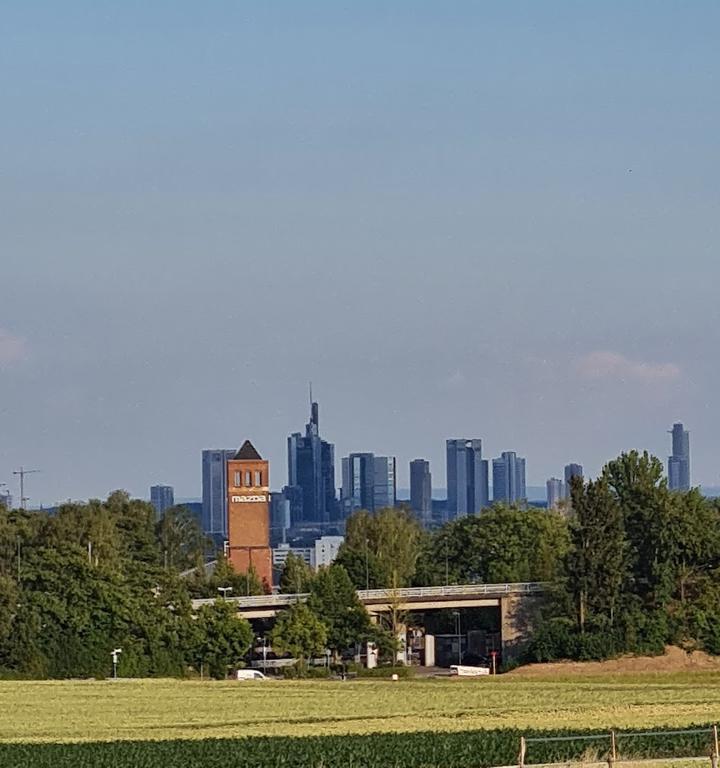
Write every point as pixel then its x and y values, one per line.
pixel 300 671
pixel 387 672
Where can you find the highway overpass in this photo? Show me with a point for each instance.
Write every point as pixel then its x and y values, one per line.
pixel 517 603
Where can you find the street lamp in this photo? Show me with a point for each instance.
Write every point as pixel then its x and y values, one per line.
pixel 367 565
pixel 264 652
pixel 115 655
pixel 447 564
pixel 224 591
pixel 456 614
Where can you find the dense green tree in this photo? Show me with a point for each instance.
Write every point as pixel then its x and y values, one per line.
pixel 181 539
pixel 641 490
pixel 206 581
pixel 296 576
pixel 643 568
pixel 8 606
pixel 363 567
pixel 598 560
pixel 221 638
pixel 299 632
pixel 334 600
pixel 84 582
pixel 502 544
pixel 392 536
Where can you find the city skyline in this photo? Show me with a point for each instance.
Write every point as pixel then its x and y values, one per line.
pixel 482 219
pixel 401 482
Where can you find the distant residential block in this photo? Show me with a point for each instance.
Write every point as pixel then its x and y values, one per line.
pixel 162 497
pixel 555 492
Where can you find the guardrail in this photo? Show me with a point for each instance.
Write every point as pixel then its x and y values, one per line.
pixel 380 595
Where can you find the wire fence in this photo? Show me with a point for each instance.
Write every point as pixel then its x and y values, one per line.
pixel 613 747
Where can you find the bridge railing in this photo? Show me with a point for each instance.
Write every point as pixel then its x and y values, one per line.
pixel 452 590
pixel 380 595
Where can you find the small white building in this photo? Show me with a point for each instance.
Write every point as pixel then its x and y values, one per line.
pixel 326 550
pixel 323 553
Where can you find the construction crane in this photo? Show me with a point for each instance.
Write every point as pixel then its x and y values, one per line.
pixel 22 472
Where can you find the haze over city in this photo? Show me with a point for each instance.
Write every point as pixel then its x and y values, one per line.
pixel 457 220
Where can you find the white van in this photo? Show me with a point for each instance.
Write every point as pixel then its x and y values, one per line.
pixel 249 674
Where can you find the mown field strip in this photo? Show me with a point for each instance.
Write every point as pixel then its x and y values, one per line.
pixel 171 709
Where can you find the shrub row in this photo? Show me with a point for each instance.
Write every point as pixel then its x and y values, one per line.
pixel 468 749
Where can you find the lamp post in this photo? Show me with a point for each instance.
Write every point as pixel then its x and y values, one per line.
pixel 367 565
pixel 447 564
pixel 263 639
pixel 115 654
pixel 224 591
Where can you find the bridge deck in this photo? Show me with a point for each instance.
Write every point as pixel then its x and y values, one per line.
pixel 452 595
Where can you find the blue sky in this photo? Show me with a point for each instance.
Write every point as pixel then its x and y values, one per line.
pixel 458 219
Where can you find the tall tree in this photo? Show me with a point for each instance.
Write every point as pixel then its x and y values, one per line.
pixel 297 576
pixel 641 490
pixel 598 560
pixel 222 638
pixel 180 538
pixel 299 632
pixel 502 544
pixel 334 600
pixel 392 536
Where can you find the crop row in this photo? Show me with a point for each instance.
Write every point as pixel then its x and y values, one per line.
pixel 467 749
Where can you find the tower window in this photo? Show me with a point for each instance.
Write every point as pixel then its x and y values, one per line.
pixel 258 478
pixel 248 478
pixel 237 480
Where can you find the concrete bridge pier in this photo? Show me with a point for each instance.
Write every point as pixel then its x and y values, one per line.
pixel 519 615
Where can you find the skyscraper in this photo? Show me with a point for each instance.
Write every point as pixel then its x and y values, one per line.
pixel 509 478
pixel 679 462
pixel 162 497
pixel 214 480
pixel 555 492
pixel 311 467
pixel 467 477
pixel 368 482
pixel 571 470
pixel 421 490
pixel 384 492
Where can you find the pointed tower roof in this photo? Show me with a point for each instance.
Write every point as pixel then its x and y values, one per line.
pixel 247 452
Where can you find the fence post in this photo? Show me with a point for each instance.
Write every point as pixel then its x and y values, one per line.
pixel 715 751
pixel 613 750
pixel 521 757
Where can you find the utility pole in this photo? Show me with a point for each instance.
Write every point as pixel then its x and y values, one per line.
pixel 22 472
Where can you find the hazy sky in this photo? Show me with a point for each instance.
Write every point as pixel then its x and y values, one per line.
pixel 471 219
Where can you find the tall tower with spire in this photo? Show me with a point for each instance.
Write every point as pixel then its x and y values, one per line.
pixel 311 468
pixel 248 485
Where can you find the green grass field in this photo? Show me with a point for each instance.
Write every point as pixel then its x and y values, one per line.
pixel 167 709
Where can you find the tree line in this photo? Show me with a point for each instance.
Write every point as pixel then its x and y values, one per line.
pixel 107 574
pixel 630 566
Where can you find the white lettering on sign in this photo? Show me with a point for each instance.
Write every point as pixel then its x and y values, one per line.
pixel 247 499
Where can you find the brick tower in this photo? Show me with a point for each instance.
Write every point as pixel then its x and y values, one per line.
pixel 248 486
